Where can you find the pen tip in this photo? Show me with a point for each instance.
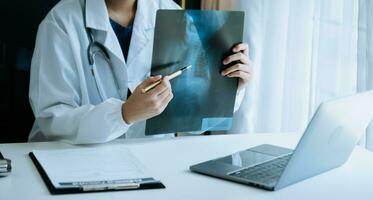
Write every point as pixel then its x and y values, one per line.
pixel 186 68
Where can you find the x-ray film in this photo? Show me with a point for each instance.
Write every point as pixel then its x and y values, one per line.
pixel 203 99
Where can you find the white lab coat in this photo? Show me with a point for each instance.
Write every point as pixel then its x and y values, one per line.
pixel 63 93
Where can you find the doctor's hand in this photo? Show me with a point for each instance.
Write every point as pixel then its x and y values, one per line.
pixel 141 106
pixel 242 69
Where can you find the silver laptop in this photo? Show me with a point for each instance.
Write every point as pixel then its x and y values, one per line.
pixel 326 144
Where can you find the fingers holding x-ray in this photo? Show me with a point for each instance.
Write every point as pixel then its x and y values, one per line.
pixel 237 67
pixel 240 74
pixel 244 47
pixel 242 69
pixel 243 76
pixel 237 57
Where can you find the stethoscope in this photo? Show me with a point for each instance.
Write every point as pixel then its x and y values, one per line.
pixel 94 49
pixel 5 166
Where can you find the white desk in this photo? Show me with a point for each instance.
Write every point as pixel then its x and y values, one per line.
pixel 169 159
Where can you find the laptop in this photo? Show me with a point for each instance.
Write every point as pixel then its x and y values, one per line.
pixel 327 143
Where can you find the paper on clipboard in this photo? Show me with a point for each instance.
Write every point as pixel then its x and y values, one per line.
pixel 92 166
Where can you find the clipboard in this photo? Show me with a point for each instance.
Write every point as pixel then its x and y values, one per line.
pixel 97 188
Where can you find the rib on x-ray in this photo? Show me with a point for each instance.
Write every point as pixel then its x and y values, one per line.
pixel 203 99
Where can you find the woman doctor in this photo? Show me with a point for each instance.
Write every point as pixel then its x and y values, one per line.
pixel 91 60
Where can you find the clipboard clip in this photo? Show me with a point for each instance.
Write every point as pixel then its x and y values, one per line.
pixel 103 187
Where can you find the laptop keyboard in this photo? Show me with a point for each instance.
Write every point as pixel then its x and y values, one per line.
pixel 266 173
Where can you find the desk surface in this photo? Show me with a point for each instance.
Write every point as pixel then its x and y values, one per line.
pixel 169 159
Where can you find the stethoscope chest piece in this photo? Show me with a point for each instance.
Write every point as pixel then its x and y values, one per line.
pixel 5 167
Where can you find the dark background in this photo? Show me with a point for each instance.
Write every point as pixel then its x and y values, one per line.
pixel 19 22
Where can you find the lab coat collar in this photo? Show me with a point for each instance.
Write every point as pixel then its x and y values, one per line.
pixel 97 15
pixel 142 28
pixel 145 14
pixel 97 18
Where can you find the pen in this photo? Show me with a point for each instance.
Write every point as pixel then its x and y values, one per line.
pixel 171 76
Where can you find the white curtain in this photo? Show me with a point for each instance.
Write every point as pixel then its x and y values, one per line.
pixel 304 53
pixel 365 56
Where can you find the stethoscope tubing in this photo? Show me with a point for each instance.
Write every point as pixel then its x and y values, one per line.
pixel 91 55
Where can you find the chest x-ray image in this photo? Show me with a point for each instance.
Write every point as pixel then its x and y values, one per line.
pixel 203 99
